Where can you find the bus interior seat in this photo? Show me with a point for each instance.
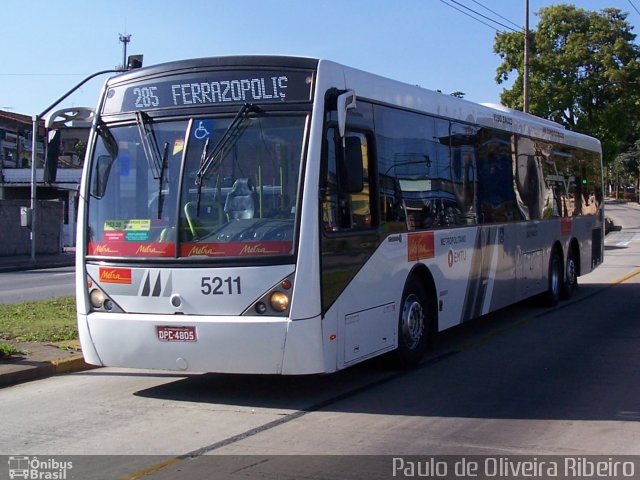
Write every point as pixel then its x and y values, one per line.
pixel 239 203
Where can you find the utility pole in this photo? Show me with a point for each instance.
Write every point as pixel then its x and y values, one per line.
pixel 525 80
pixel 124 39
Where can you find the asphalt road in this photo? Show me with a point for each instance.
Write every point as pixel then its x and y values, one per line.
pixel 26 285
pixel 524 381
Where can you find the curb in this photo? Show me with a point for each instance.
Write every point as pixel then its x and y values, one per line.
pixel 40 370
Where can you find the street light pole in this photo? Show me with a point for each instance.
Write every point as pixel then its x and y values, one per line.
pixel 34 143
pixel 124 39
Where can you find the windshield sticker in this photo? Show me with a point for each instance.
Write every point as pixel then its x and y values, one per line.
pixel 237 249
pixel 131 249
pixel 130 225
pixel 114 236
pixel 178 146
pixel 203 130
pixel 136 236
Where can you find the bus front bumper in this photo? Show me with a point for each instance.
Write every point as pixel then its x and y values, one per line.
pixel 258 345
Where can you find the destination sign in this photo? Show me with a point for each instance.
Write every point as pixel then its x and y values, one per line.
pixel 210 88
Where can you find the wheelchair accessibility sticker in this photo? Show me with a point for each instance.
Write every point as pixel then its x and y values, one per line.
pixel 203 129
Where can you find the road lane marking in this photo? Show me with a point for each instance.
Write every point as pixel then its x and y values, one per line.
pixel 286 418
pixel 625 278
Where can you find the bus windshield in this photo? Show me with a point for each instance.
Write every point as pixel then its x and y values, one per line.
pixel 196 187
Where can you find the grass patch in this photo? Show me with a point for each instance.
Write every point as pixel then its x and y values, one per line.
pixel 7 351
pixel 51 320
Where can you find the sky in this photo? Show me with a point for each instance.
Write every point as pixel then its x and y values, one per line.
pixel 50 46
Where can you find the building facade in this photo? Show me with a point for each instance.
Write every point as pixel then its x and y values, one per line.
pixel 16 156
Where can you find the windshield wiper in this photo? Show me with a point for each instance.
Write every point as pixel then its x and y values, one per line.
pixel 163 168
pixel 203 158
pixel 226 142
pixel 149 144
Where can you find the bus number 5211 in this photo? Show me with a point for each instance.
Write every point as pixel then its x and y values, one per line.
pixel 220 286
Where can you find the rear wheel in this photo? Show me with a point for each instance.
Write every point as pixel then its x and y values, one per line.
pixel 415 325
pixel 552 296
pixel 570 283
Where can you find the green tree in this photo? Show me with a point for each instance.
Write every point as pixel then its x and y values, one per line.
pixel 584 71
pixel 625 166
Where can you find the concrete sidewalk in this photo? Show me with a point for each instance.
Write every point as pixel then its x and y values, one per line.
pixel 39 360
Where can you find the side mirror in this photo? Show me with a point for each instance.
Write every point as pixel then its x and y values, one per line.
pixel 351 169
pixel 345 102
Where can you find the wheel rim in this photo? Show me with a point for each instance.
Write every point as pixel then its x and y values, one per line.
pixel 571 272
pixel 413 321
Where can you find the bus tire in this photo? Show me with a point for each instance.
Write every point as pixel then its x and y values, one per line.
pixel 570 283
pixel 415 325
pixel 552 296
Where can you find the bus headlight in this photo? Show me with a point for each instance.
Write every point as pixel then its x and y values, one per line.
pixel 275 301
pixel 279 301
pixel 97 298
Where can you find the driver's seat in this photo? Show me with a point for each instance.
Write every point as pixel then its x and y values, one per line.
pixel 239 203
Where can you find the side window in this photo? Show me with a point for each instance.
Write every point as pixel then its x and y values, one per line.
pixel 342 208
pixel 496 194
pixel 463 139
pixel 573 177
pixel 426 171
pixel 531 190
pixel 407 162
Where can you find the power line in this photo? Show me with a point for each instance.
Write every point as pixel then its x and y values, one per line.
pixel 484 16
pixel 479 14
pixel 496 13
pixel 634 7
pixel 469 15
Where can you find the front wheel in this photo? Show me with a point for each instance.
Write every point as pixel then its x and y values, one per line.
pixel 415 325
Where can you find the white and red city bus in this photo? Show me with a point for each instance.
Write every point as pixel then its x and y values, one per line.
pixel 284 215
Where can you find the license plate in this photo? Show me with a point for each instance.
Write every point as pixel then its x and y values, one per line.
pixel 176 334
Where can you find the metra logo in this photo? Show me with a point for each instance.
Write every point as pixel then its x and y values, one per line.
pixel 149 250
pixel 202 250
pixel 103 250
pixel 420 246
pixel 255 249
pixel 115 275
